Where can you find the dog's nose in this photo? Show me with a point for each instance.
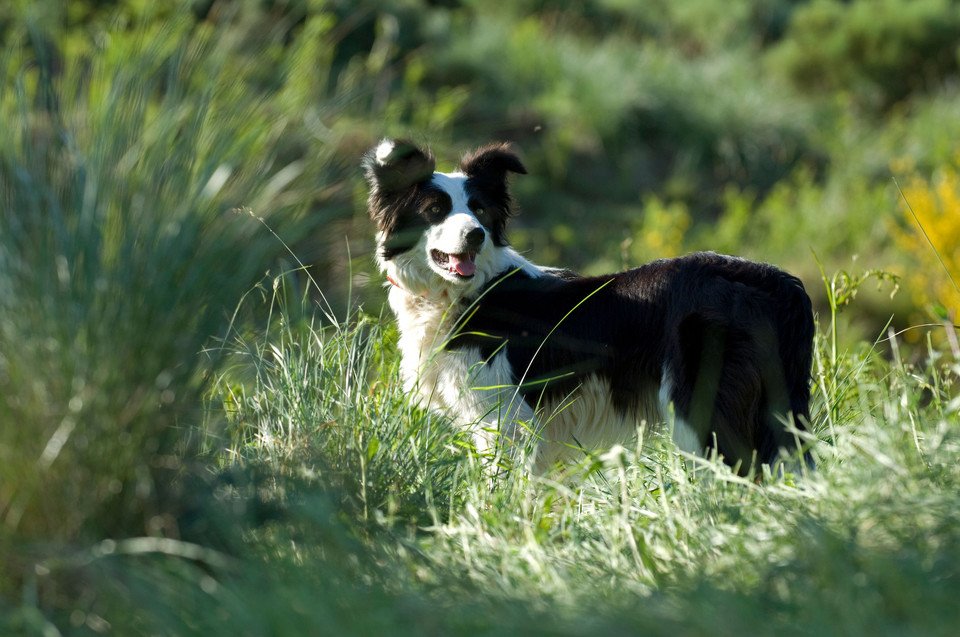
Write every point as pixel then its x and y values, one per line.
pixel 475 238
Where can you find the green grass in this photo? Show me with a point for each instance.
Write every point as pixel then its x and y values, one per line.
pixel 325 501
pixel 201 435
pixel 631 541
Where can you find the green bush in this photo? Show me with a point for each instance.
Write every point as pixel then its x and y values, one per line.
pixel 125 243
pixel 877 51
pixel 605 122
pixel 179 458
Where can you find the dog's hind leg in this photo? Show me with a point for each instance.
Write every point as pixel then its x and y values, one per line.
pixel 730 389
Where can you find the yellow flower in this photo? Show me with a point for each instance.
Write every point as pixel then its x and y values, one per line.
pixel 930 233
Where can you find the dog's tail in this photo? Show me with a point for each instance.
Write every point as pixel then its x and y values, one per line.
pixel 795 328
pixel 786 382
pixel 791 312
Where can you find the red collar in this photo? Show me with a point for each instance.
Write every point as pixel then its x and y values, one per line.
pixel 400 287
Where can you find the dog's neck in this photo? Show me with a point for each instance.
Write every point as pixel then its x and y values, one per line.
pixel 394 283
pixel 427 315
pixel 426 318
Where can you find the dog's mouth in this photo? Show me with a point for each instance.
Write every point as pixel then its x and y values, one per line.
pixel 461 264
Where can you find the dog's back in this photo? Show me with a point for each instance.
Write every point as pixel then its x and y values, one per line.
pixel 723 342
pixel 741 354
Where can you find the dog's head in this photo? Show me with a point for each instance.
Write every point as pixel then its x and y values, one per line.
pixel 439 231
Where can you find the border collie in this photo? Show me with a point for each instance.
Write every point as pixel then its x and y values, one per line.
pixel 716 346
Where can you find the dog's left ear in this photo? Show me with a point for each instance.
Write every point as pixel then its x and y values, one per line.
pixel 492 163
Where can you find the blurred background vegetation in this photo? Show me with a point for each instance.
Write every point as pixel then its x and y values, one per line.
pixel 759 127
pixel 164 164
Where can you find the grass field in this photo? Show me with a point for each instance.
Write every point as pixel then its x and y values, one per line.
pixel 202 430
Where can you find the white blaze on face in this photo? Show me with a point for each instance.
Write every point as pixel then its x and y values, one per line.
pixel 454 184
pixel 447 240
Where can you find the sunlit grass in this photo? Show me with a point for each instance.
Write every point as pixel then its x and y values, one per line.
pixel 633 532
pixel 192 445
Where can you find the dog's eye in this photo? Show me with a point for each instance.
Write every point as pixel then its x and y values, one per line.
pixel 435 209
pixel 479 212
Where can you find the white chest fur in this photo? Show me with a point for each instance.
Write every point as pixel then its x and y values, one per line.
pixel 480 394
pixel 477 392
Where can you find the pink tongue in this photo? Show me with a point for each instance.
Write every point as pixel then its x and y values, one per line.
pixel 463 264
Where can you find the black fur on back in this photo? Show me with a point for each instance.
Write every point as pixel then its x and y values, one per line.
pixel 733 337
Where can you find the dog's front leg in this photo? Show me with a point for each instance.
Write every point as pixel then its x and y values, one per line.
pixel 508 427
pixel 481 395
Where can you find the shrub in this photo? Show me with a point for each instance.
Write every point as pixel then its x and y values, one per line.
pixel 659 232
pixel 930 234
pixel 880 51
pixel 121 254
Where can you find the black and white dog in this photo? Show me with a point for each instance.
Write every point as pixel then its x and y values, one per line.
pixel 716 346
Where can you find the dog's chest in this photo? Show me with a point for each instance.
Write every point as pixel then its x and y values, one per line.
pixel 425 327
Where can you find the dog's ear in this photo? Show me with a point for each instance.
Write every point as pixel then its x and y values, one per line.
pixel 486 169
pixel 395 165
pixel 492 163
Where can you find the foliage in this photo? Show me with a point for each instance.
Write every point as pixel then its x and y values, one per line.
pixel 323 399
pixel 930 234
pixel 191 446
pixel 660 232
pixel 608 120
pixel 880 51
pixel 338 503
pixel 121 254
